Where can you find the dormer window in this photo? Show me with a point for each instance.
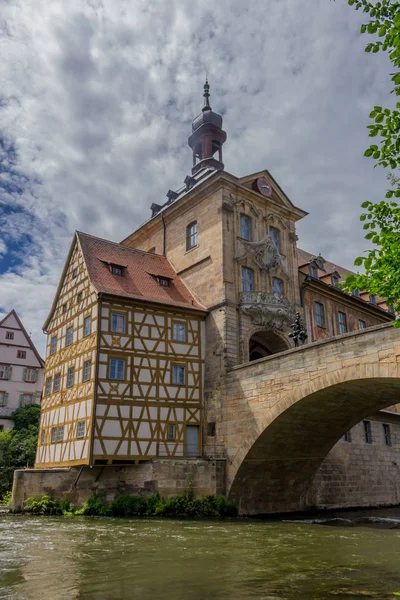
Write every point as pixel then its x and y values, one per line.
pixel 372 299
pixel 355 293
pixel 163 282
pixel 117 270
pixel 319 262
pixel 390 309
pixel 335 281
pixel 313 270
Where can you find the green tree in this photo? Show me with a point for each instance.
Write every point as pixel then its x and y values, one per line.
pixel 382 219
pixel 18 445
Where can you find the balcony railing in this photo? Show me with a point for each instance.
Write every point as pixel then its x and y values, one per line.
pixel 271 310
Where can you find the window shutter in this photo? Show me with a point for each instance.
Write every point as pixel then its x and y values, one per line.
pixel 9 374
pixel 38 397
pixel 21 400
pixel 24 375
pixel 5 399
pixel 36 375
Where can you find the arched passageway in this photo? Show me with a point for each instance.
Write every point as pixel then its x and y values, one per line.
pixel 277 472
pixel 265 343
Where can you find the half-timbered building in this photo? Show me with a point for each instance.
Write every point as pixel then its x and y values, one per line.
pixel 124 373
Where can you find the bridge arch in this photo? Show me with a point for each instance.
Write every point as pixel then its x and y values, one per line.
pixel 291 418
pixel 263 342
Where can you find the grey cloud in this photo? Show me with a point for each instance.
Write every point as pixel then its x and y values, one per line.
pixel 103 94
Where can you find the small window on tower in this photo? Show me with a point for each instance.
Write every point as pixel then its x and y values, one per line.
pixel 191 236
pixel 74 273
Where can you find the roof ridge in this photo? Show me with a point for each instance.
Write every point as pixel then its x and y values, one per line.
pixel 95 237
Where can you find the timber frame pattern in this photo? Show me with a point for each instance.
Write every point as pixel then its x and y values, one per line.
pixel 124 420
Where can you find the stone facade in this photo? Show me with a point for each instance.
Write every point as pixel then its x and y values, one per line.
pixel 168 477
pixel 283 414
pixel 357 473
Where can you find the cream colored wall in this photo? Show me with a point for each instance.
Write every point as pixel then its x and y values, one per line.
pixel 71 404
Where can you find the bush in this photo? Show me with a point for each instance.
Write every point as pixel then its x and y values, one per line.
pixel 181 505
pixel 18 445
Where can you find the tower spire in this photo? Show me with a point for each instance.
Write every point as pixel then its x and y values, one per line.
pixel 207 137
pixel 206 95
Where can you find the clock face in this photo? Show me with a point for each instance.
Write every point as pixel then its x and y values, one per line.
pixel 264 187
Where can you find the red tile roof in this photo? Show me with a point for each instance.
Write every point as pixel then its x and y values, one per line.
pixel 304 258
pixel 139 280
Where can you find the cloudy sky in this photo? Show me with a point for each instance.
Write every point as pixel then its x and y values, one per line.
pixel 96 101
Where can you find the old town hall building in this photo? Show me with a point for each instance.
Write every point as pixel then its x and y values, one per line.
pixel 141 332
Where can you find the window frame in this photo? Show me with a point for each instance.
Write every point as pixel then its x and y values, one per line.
pixel 3 398
pixel 5 369
pixel 71 371
pixel 364 326
pixel 53 345
pixel 387 434
pixel 175 374
pixel 118 315
pixel 342 324
pixel 367 432
pixel 277 243
pixel 117 270
pixel 335 281
pixel 48 385
pixel 21 354
pixel 58 376
pixel 60 433
pixel 86 320
pixel 179 324
pixel 53 435
pixel 313 271
pixel 281 285
pixel 9 335
pixel 192 233
pixel 321 315
pixel 245 282
pixel 171 432
pixel 30 375
pixel 347 437
pixel 114 359
pixel 70 330
pixel 84 379
pixel 80 430
pixel 246 227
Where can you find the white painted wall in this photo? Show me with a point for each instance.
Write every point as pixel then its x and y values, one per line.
pixel 15 385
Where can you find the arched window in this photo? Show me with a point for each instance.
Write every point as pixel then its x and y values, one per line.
pixel 247 279
pixel 191 236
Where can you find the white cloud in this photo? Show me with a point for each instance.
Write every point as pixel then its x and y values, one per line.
pixel 98 97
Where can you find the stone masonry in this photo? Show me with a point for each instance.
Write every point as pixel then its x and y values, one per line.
pixel 281 415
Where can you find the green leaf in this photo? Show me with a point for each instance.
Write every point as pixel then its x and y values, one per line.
pixel 368 152
pixel 358 261
pixel 379 118
pixel 369 235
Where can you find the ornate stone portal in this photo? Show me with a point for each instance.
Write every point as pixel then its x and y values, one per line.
pixel 273 311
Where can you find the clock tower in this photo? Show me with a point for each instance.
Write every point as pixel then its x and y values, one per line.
pixel 207 137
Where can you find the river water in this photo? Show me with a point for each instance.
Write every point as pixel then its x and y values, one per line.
pixel 52 558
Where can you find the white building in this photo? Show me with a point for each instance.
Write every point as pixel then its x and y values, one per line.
pixel 21 369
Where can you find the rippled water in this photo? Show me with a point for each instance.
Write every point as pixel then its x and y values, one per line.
pixel 104 559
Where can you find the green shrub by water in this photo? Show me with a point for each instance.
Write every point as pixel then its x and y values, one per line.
pixel 182 505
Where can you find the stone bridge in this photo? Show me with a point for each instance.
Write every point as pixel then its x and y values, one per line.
pixel 284 413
